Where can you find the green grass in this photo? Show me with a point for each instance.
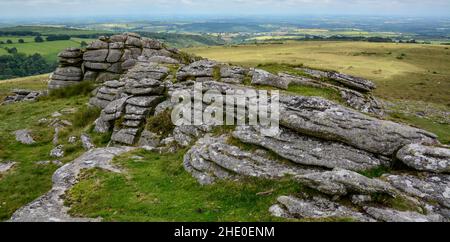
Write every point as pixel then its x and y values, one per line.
pixel 27 181
pixel 48 49
pixel 51 30
pixel 422 74
pixel 441 130
pixel 157 188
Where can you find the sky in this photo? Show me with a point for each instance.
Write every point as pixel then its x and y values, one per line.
pixel 79 8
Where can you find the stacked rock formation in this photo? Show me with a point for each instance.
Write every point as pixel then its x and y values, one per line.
pixel 322 145
pixel 130 100
pixel 69 71
pixel 108 58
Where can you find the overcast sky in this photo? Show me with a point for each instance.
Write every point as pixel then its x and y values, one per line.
pixel 61 8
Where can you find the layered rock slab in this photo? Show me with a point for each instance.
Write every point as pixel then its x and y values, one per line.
pixel 310 151
pixel 315 208
pixel 324 119
pixel 425 158
pixel 50 207
pixel 212 158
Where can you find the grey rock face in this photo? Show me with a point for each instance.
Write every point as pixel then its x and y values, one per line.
pixel 353 82
pixel 310 151
pixel 4 167
pixel 429 187
pixel 365 103
pixel 50 207
pixel 24 136
pixel 144 101
pixel 342 182
pixel 315 208
pixel 389 215
pixel 86 142
pixel 125 136
pixel 163 60
pixel 326 120
pixel 22 95
pixel 185 135
pixel 57 152
pixel 212 158
pixel 261 77
pixel 425 158
pixel 202 68
pixel 346 80
pixel 149 139
pixel 95 55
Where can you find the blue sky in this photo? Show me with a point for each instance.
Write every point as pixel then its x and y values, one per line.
pixel 70 8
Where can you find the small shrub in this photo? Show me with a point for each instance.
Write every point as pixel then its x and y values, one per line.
pixel 216 73
pixel 82 89
pixel 85 116
pixel 161 124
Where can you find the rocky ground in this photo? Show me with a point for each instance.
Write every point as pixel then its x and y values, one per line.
pixel 327 147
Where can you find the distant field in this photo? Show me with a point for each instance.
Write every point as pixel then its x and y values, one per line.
pixel 401 71
pixel 49 30
pixel 48 49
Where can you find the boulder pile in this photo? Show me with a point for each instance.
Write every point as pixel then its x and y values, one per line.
pixel 20 95
pixel 329 149
pixel 109 57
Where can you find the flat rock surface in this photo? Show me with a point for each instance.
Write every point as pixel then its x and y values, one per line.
pixel 390 215
pixel 316 208
pixel 4 167
pixel 324 119
pixel 343 182
pixel 50 207
pixel 213 158
pixel 310 151
pixel 24 136
pixel 425 158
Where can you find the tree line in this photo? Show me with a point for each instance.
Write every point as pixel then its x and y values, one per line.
pixel 20 65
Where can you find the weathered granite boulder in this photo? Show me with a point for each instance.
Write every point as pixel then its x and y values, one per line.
pixel 429 187
pixel 342 182
pixel 425 158
pixel 212 158
pixel 261 77
pixel 390 215
pixel 305 150
pixel 315 208
pixel 346 80
pixel 87 142
pixel 57 152
pixel 20 95
pixel 6 166
pixel 324 119
pixel 109 57
pixel 24 136
pixel 198 69
pixel 125 136
pixel 50 207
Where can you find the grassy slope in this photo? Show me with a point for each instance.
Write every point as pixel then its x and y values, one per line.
pixel 423 73
pixel 157 188
pixel 27 180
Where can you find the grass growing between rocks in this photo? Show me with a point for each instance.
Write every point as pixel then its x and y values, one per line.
pixel 28 180
pixel 422 74
pixel 157 188
pixel 326 93
pixel 442 130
